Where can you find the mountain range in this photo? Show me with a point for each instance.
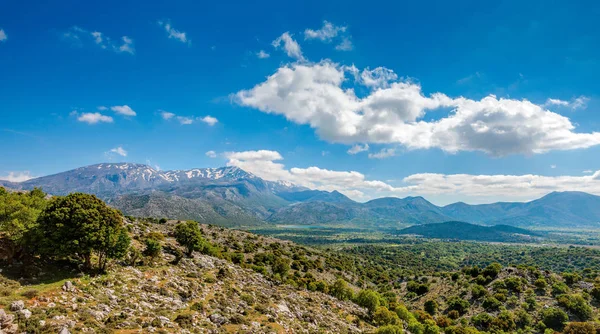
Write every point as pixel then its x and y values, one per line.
pixel 230 196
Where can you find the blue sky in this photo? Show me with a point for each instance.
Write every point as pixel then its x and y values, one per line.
pixel 516 114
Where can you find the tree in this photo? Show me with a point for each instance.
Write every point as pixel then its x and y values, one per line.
pixel 431 307
pixel 81 225
pixel 581 328
pixel 382 316
pixel 368 299
pixel 458 304
pixel 153 248
pixel 341 290
pixel 554 318
pixel 18 216
pixel 492 270
pixel 189 236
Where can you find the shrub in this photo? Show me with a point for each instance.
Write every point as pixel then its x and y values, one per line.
pixel 458 304
pixel 382 316
pixel 540 283
pixel 431 307
pixel 492 270
pixel 504 322
pixel 491 304
pixel 368 299
pixel 478 291
pixel 189 236
pixel 577 305
pixel 153 248
pixel 554 318
pixel 581 328
pixel 482 321
pixel 341 290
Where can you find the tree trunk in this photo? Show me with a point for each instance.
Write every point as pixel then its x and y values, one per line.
pixel 88 261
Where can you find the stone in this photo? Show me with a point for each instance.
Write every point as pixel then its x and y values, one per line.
pixel 68 286
pixel 64 330
pixel 17 305
pixel 25 313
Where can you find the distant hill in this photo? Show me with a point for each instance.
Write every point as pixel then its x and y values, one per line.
pixel 233 197
pixel 466 231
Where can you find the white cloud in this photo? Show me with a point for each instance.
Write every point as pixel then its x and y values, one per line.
pixel 588 171
pixel 124 110
pixel 345 45
pixel 185 120
pixel 119 150
pixel 358 148
pixel 166 115
pixel 262 54
pixel 102 108
pixel 476 188
pixel 209 120
pixel 211 154
pixel 173 33
pixel 384 153
pixel 556 102
pixel 291 47
pixel 312 94
pixel 81 36
pixel 379 77
pixel 553 166
pixel 3 36
pixel 327 32
pixel 575 103
pixel 92 118
pixel 17 176
pixel 127 45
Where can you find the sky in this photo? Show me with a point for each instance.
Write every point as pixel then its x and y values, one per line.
pixel 454 101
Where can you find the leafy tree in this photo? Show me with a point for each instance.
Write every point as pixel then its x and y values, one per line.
pixel 368 299
pixel 382 316
pixel 554 318
pixel 491 304
pixel 189 236
pixel 482 321
pixel 492 270
pixel 581 328
pixel 540 283
pixel 478 291
pixel 504 322
pixel 81 225
pixel 281 266
pixel 577 305
pixel 18 215
pixel 431 306
pixel 341 290
pixel 458 304
pixel 153 248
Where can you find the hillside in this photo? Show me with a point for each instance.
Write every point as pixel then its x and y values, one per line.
pixel 466 231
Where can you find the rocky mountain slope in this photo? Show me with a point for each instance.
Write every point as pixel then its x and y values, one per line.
pixel 229 196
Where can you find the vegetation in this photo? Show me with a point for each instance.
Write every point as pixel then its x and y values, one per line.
pixel 415 285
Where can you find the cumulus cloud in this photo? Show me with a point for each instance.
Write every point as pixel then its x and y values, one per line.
pixel 80 36
pixel 124 110
pixel 119 150
pixel 358 148
pixel 267 164
pixel 209 120
pixel 327 32
pixel 394 113
pixel 92 118
pixel 211 154
pixel 379 77
pixel 3 36
pixel 17 176
pixel 262 54
pixel 290 46
pixel 384 153
pixel 173 33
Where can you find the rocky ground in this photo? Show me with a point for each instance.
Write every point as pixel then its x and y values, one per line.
pixel 202 294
